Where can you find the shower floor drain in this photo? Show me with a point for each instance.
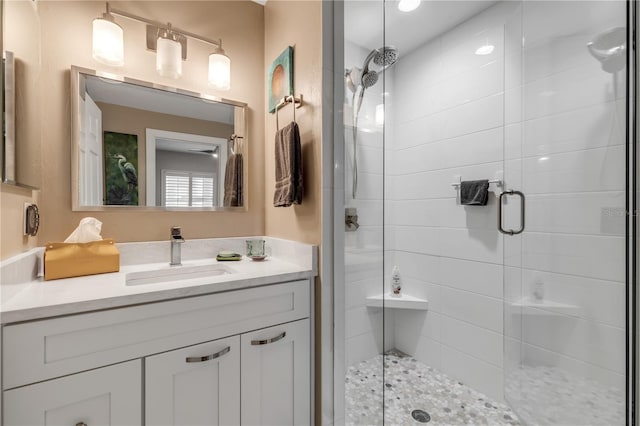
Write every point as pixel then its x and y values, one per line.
pixel 421 416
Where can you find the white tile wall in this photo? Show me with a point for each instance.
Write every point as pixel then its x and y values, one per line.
pixel 570 135
pixel 364 249
pixel 448 253
pixel 548 117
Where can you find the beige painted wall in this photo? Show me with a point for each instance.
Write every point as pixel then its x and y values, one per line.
pixel 21 31
pixel 240 25
pixel 297 24
pixel 12 201
pixel 19 22
pixel 116 118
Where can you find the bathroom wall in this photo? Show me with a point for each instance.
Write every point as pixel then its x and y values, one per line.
pixel 557 120
pixel 20 20
pixel 21 35
pixel 241 26
pixel 448 121
pixel 363 257
pixel 12 201
pixel 297 24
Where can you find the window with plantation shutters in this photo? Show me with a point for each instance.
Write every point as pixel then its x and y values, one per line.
pixel 188 189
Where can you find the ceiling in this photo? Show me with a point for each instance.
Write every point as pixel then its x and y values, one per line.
pixel 133 96
pixel 365 23
pixel 184 146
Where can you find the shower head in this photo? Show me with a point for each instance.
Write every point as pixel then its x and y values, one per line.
pixel 375 63
pixel 369 79
pixel 609 47
pixel 386 57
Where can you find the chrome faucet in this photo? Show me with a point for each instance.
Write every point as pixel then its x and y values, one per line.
pixel 176 241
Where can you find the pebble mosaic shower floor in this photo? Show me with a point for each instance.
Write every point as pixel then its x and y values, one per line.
pixel 411 385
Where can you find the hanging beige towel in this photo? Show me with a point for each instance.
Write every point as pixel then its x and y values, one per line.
pixel 289 187
pixel 233 181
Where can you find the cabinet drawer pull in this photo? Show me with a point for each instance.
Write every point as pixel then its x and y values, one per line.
pixel 81 424
pixel 267 341
pixel 209 357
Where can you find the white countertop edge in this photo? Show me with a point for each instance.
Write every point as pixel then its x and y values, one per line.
pixel 24 297
pixel 124 300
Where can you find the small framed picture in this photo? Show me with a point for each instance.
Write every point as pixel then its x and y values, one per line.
pixel 121 169
pixel 280 78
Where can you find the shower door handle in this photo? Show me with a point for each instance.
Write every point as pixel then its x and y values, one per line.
pixel 511 231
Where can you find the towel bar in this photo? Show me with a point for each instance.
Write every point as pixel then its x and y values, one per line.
pixel 297 102
pixel 498 182
pixel 287 100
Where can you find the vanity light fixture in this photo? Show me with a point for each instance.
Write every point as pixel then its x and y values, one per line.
pixel 168 42
pixel 108 40
pixel 168 53
pixel 219 69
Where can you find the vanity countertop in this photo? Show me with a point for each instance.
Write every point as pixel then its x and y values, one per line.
pixel 37 299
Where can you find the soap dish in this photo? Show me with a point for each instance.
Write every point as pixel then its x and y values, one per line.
pixel 228 256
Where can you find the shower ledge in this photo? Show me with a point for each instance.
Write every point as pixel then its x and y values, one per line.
pixel 546 307
pixel 404 301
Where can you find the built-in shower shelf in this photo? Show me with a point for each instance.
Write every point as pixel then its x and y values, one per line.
pixel 543 307
pixel 403 302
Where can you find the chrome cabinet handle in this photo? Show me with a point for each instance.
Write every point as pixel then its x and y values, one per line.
pixel 511 231
pixel 209 357
pixel 81 424
pixel 267 341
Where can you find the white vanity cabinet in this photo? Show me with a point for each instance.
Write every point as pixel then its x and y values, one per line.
pixel 230 358
pixel 105 396
pixel 276 375
pixel 197 385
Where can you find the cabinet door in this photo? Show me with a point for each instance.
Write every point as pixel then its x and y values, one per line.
pixel 276 375
pixel 196 385
pixel 105 396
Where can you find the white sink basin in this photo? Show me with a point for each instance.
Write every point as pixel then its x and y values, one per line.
pixel 176 273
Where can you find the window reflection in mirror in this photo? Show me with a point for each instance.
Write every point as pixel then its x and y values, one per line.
pixel 136 144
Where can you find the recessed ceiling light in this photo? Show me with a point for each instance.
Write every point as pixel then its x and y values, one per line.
pixel 485 50
pixel 408 5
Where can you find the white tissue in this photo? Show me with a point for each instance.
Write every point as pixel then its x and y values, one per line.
pixel 88 230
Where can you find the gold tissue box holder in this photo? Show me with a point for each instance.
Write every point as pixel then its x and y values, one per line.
pixel 65 260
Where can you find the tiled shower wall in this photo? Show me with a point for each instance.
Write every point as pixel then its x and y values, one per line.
pixel 448 121
pixel 364 247
pixel 546 116
pixel 565 148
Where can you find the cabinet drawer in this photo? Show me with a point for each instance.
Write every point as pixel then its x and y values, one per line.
pixel 105 396
pixel 42 350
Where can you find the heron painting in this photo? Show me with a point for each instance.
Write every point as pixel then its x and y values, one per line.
pixel 121 169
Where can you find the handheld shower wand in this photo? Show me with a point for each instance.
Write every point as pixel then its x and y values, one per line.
pixel 360 79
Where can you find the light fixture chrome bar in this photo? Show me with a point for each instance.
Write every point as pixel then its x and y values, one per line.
pixel 161 25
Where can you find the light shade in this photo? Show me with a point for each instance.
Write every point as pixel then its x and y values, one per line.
pixel 169 57
pixel 108 41
pixel 220 70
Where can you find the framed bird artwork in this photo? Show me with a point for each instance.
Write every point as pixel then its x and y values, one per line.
pixel 120 169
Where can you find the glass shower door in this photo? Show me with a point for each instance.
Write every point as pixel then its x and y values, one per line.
pixel 564 276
